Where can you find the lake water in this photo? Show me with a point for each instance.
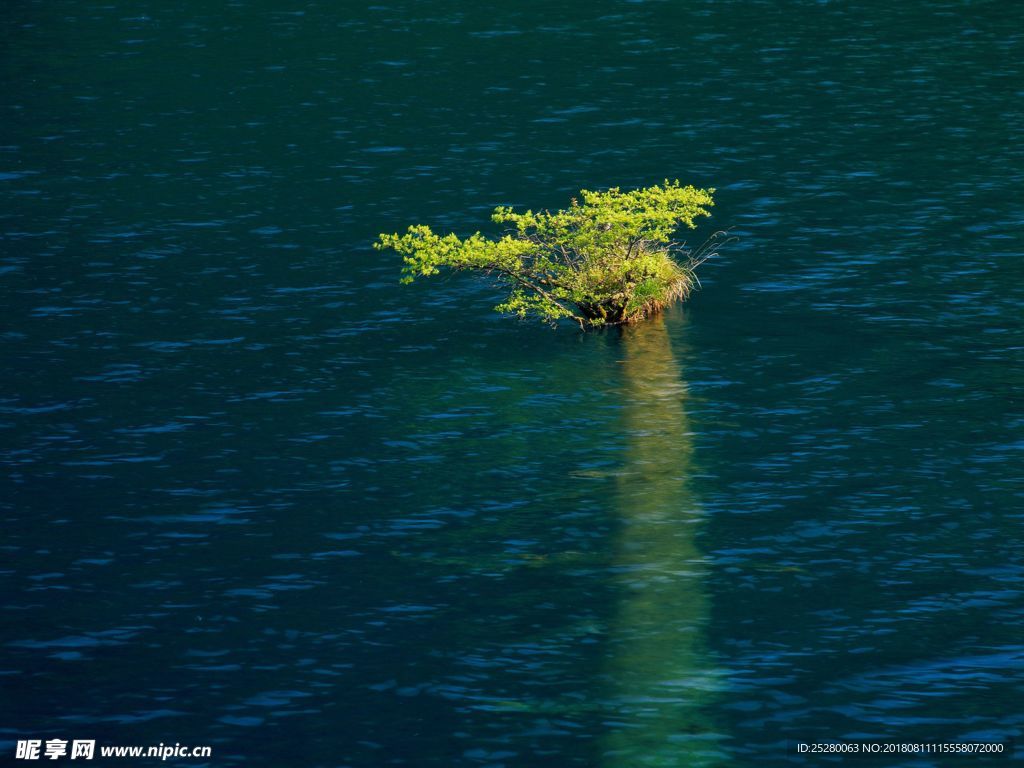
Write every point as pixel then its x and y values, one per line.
pixel 258 496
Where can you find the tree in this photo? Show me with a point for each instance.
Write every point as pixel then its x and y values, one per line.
pixel 609 259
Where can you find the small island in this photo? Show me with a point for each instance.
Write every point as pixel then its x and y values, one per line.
pixel 608 259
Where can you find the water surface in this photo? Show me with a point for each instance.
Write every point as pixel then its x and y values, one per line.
pixel 259 496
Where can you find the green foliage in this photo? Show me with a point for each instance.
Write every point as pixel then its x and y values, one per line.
pixel 607 259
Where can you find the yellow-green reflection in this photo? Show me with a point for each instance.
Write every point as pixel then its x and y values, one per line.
pixel 660 676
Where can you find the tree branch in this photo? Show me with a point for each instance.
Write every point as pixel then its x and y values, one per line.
pixel 537 289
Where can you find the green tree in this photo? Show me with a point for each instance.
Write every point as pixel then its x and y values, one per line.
pixel 608 259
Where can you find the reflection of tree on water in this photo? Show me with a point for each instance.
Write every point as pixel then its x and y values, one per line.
pixel 659 675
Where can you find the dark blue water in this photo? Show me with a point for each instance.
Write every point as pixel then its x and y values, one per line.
pixel 258 496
